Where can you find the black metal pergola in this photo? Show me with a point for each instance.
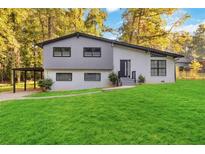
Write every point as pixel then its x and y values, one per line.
pixel 25 70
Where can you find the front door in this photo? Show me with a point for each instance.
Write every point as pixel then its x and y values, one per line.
pixel 125 68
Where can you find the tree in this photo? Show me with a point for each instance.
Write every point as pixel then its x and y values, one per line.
pixel 195 67
pixel 94 22
pixel 180 42
pixel 75 18
pixel 12 20
pixel 199 41
pixel 147 27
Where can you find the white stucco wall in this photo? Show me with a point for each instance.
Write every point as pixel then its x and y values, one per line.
pixel 141 63
pixel 77 79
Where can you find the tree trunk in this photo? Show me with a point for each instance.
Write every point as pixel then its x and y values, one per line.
pixel 139 25
pixel 49 26
pixel 42 25
pixel 18 74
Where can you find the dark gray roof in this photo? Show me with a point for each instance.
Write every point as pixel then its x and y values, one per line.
pixel 78 34
pixel 184 60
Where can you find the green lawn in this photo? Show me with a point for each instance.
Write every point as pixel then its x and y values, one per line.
pixel 147 114
pixel 59 93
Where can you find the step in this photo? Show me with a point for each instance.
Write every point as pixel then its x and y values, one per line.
pixel 128 83
pixel 127 79
pixel 124 81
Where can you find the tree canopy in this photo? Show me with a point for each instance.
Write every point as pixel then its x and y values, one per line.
pixel 147 27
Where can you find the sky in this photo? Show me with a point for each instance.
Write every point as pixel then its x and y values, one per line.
pixel 197 17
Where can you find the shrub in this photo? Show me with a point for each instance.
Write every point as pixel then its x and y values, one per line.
pixel 45 84
pixel 113 78
pixel 195 67
pixel 141 79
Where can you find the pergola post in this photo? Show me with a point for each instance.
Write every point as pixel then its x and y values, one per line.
pixel 14 81
pixel 25 77
pixel 34 81
pixel 41 74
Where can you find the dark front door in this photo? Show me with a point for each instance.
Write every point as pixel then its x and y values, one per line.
pixel 125 68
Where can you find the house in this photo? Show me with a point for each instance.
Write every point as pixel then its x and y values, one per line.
pixel 184 63
pixel 79 60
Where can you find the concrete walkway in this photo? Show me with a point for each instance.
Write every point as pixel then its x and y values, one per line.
pixel 115 88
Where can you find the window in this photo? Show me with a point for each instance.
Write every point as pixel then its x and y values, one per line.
pixel 92 52
pixel 158 67
pixel 63 76
pixel 61 52
pixel 92 76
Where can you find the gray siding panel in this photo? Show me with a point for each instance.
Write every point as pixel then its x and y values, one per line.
pixel 77 61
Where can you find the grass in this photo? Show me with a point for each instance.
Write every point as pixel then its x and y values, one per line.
pixel 147 114
pixel 8 87
pixel 59 93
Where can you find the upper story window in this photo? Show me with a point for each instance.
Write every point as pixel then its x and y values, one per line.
pixel 158 67
pixel 91 52
pixel 61 51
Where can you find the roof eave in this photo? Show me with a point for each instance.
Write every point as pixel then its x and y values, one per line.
pixel 174 55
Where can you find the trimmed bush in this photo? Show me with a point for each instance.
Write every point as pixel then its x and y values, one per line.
pixel 45 84
pixel 141 79
pixel 113 78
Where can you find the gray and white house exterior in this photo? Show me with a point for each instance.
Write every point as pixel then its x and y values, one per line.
pixel 79 61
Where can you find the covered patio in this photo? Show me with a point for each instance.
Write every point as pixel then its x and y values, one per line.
pixel 25 70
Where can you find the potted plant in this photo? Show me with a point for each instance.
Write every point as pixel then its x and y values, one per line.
pixel 45 84
pixel 141 79
pixel 113 78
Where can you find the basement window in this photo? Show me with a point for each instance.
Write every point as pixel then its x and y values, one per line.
pixel 92 76
pixel 63 76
